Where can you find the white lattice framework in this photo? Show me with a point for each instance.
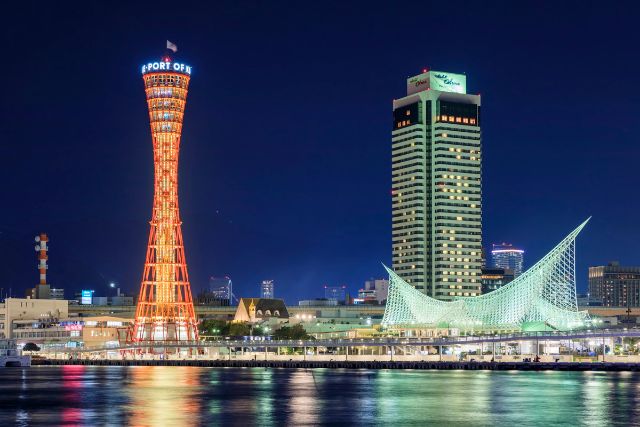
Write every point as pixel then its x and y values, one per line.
pixel 544 294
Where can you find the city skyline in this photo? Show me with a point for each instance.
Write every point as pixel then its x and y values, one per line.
pixel 96 196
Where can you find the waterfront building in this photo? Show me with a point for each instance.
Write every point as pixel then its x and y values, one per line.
pixel 495 278
pixel 104 331
pixel 615 285
pixel 267 289
pixel 165 306
pixel 437 187
pixel 33 319
pixel 257 310
pixel 48 333
pixel 542 298
pixel 337 293
pixel 505 255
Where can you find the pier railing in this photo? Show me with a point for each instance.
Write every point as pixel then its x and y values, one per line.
pixel 443 341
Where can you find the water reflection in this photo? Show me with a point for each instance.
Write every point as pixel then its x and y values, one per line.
pixel 76 395
pixel 163 395
pixel 303 401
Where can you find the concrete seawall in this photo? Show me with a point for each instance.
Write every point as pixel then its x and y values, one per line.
pixel 297 364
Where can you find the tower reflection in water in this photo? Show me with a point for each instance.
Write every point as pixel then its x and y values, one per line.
pixel 164 395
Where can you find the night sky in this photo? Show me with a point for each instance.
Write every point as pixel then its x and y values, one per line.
pixel 285 157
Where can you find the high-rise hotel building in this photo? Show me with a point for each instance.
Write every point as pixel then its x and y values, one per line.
pixel 437 186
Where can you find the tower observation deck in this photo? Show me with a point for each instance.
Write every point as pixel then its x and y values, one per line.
pixel 165 306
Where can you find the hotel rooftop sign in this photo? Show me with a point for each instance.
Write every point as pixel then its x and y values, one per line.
pixel 437 80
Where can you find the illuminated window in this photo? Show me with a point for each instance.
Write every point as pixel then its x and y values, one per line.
pixel 472 121
pixel 408 113
pixel 444 118
pixel 458 120
pixel 452 119
pixel 465 120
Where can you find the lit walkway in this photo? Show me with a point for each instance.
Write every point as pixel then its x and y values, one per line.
pixel 598 334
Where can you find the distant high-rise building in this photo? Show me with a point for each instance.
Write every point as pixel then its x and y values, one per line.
pixel 375 291
pixel 219 292
pixel 506 256
pixel 615 285
pixel 267 289
pixel 337 293
pixel 495 278
pixel 436 186
pixel 221 288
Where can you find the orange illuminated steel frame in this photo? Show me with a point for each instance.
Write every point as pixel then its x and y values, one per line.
pixel 165 306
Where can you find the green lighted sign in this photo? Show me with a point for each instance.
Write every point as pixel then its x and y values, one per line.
pixel 437 80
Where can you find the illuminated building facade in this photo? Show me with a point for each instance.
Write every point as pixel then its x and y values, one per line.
pixel 165 307
pixel 221 288
pixel 267 289
pixel 494 278
pixel 436 186
pixel 506 256
pixel 615 285
pixel 219 293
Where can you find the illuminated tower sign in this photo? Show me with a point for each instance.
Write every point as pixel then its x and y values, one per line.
pixel 165 306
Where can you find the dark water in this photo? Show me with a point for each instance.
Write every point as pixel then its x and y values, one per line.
pixel 77 395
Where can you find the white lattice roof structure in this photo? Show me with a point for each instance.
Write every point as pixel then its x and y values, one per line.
pixel 544 294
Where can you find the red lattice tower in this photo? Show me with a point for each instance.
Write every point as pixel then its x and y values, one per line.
pixel 165 307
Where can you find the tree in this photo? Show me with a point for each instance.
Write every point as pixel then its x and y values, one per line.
pixel 239 329
pixel 295 332
pixel 214 327
pixel 30 347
